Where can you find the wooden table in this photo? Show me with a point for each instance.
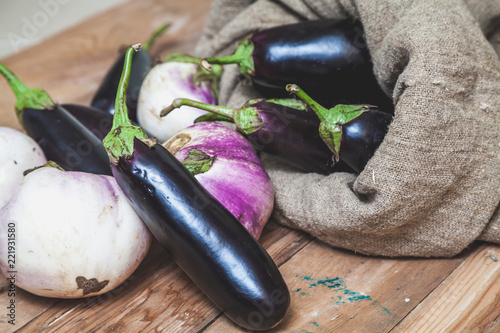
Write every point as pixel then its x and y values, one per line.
pixel 332 290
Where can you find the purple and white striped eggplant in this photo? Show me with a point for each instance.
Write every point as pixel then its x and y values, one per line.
pixel 226 165
pixel 166 82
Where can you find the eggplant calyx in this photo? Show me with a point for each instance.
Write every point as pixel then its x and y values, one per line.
pixel 25 97
pixel 50 164
pixel 330 128
pixel 248 120
pixel 291 103
pixel 120 140
pixel 242 56
pixel 197 161
pixel 204 73
pixel 212 77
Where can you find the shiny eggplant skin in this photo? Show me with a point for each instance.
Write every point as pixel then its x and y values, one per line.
pixel 97 121
pixel 329 58
pixel 65 140
pixel 104 98
pixel 362 136
pixel 292 136
pixel 204 239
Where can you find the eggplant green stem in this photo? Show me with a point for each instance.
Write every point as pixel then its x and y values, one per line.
pixel 120 140
pixel 149 43
pixel 122 118
pixel 217 109
pixel 242 56
pixel 320 111
pixel 246 118
pixel 25 97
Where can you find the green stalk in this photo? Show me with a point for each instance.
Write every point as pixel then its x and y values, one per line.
pixel 217 109
pixel 25 97
pixel 330 128
pixel 247 119
pixel 320 111
pixel 242 56
pixel 149 43
pixel 120 140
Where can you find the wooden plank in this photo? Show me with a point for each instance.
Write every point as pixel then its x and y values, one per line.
pixel 467 301
pixel 340 291
pixel 157 297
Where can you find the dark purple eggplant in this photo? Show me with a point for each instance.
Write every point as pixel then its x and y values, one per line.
pixel 283 128
pixel 97 121
pixel 328 57
pixel 104 98
pixel 207 242
pixel 352 132
pixel 61 136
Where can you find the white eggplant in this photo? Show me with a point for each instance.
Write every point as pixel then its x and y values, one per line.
pixel 164 83
pixel 18 153
pixel 73 234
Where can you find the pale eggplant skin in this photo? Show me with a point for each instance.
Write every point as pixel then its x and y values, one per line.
pixel 207 242
pixel 71 225
pixel 164 83
pixel 18 153
pixel 237 178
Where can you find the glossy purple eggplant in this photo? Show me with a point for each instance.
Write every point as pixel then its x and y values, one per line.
pixel 284 128
pixel 104 98
pixel 97 121
pixel 352 132
pixel 328 57
pixel 207 242
pixel 61 136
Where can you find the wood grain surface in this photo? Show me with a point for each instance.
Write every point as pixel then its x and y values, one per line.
pixel 332 290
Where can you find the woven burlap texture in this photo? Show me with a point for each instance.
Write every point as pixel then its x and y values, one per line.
pixel 433 186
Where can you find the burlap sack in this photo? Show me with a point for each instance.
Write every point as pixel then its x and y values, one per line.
pixel 433 186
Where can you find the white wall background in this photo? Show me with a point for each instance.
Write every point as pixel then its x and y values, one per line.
pixel 27 22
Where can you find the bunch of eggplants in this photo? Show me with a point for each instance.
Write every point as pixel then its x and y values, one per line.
pixel 327 57
pixel 63 138
pixel 207 242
